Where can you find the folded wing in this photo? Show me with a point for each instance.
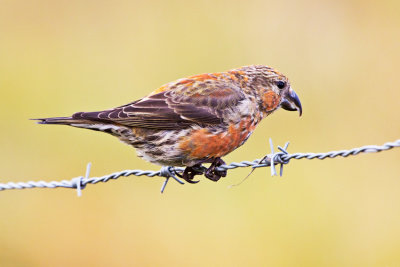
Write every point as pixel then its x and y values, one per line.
pixel 180 107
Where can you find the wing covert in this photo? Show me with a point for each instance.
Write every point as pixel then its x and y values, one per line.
pixel 179 107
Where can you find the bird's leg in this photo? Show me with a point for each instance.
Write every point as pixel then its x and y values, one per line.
pixel 212 173
pixel 190 172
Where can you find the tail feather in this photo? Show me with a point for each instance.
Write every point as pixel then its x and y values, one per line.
pixel 58 120
pixel 67 121
pixel 96 125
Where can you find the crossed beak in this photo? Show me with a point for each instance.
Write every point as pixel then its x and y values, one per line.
pixel 291 101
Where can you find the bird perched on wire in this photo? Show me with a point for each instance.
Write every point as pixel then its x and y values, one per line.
pixel 194 120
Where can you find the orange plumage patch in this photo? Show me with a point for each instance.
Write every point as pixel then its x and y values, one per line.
pixel 203 77
pixel 204 144
pixel 186 81
pixel 233 77
pixel 159 90
pixel 270 100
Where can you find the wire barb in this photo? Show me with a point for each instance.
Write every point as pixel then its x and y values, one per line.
pixel 281 158
pixel 284 161
pixel 168 172
pixel 79 182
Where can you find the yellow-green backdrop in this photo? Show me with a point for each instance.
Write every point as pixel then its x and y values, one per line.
pixel 59 57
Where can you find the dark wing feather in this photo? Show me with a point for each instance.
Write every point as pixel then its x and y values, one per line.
pixel 172 109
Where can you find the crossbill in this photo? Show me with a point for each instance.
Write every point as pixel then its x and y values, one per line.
pixel 194 120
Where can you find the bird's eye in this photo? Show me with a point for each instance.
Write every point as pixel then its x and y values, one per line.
pixel 280 84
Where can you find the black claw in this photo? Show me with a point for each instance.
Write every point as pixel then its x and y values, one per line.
pixel 192 182
pixel 212 173
pixel 190 172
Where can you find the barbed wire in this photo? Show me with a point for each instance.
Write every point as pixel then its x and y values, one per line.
pixel 282 158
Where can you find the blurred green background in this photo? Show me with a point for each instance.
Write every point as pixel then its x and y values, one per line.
pixel 59 57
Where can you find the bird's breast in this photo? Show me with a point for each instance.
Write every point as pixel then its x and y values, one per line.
pixel 216 142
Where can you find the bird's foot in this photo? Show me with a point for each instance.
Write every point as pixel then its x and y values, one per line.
pixel 212 173
pixel 190 172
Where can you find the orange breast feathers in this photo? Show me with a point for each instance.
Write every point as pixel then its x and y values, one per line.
pixel 203 143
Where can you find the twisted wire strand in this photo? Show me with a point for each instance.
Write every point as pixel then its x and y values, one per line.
pixel 282 158
pixel 344 153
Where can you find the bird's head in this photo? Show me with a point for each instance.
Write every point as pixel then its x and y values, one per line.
pixel 272 89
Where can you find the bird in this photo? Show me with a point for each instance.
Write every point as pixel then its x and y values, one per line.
pixel 194 120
